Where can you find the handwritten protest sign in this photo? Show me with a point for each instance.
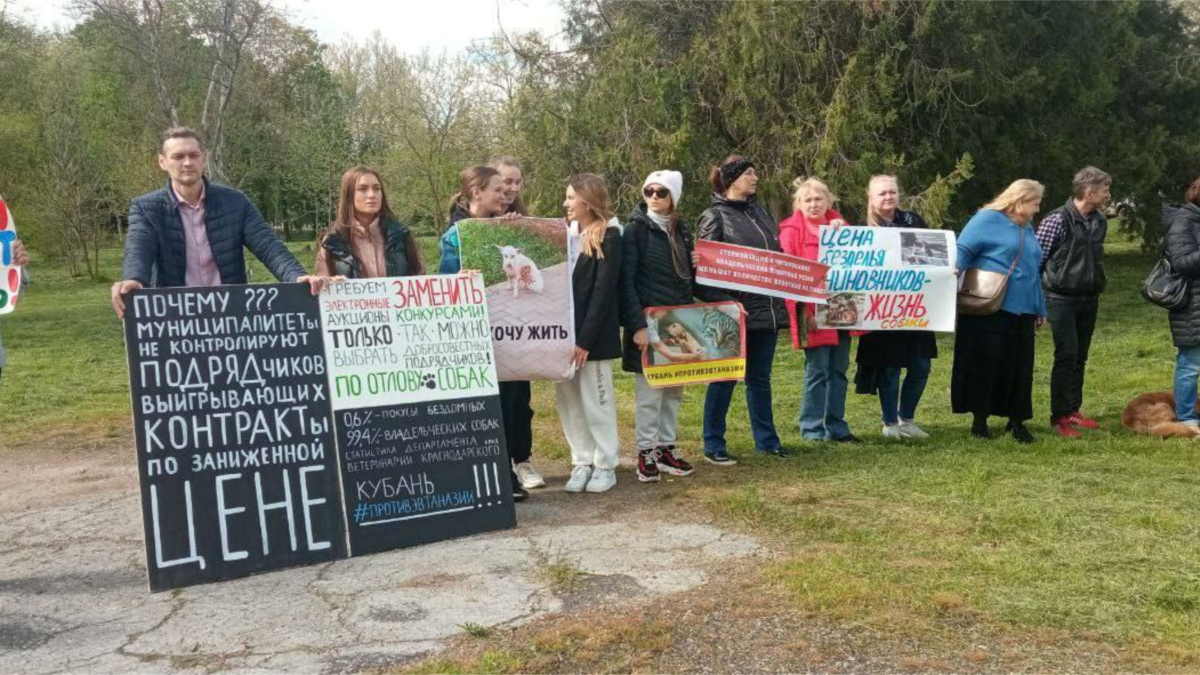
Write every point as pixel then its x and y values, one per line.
pixel 754 270
pixel 234 435
pixel 526 267
pixel 417 410
pixel 694 344
pixel 885 278
pixel 10 274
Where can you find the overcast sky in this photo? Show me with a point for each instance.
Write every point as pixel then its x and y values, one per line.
pixel 409 25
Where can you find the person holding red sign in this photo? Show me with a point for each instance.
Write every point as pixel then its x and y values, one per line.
pixel 656 271
pixel 587 403
pixel 826 350
pixel 736 217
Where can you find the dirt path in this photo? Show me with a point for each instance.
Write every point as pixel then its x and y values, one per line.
pixel 637 580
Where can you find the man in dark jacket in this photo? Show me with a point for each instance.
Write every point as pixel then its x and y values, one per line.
pixel 1072 239
pixel 192 232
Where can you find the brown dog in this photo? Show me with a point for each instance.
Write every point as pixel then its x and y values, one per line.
pixel 1153 414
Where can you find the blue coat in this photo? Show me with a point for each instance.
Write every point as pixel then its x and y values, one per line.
pixel 154 245
pixel 990 242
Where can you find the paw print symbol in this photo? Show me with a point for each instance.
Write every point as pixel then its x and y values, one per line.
pixel 429 382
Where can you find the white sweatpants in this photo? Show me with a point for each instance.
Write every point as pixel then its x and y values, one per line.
pixel 656 413
pixel 588 409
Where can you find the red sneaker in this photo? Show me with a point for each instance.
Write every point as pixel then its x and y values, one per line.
pixel 1082 421
pixel 1063 428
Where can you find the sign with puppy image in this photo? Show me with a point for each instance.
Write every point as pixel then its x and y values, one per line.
pixel 694 344
pixel 525 264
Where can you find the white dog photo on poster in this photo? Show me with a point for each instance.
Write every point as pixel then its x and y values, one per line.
pixel 522 273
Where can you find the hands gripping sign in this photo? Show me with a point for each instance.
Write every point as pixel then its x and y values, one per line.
pixel 10 273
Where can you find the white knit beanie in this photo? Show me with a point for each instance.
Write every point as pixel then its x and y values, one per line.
pixel 672 180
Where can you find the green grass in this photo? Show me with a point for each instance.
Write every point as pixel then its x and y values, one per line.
pixel 1098 537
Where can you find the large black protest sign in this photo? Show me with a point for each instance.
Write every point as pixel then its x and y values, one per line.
pixel 417 410
pixel 232 419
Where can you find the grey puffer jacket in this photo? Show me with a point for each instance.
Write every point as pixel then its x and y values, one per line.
pixel 744 223
pixel 1182 244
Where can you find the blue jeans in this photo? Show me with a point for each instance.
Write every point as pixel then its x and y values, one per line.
pixel 1187 369
pixel 760 354
pixel 900 402
pixel 823 410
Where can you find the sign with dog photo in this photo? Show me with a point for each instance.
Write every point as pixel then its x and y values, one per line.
pixel 694 344
pixel 888 278
pixel 525 263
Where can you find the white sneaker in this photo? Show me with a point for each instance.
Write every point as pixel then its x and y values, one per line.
pixel 580 476
pixel 892 431
pixel 909 429
pixel 602 480
pixel 529 478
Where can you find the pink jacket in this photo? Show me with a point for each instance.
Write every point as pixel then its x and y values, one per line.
pixel 801 237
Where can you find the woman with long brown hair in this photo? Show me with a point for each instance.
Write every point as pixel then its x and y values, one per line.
pixel 366 240
pixel 586 402
pixel 480 195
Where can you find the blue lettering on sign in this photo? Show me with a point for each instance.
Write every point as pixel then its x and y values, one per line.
pixel 7 237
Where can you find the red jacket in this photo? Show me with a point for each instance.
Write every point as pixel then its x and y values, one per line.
pixel 801 237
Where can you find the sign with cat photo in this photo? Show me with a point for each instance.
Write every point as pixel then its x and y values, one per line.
pixel 525 263
pixel 694 344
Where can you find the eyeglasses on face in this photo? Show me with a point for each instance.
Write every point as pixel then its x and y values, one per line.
pixel 661 193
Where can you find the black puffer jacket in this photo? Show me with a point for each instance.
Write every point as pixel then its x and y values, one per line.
pixel 395 253
pixel 651 275
pixel 1182 243
pixel 597 308
pixel 745 223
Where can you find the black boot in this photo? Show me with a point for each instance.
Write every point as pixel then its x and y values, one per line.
pixel 979 428
pixel 520 494
pixel 1020 433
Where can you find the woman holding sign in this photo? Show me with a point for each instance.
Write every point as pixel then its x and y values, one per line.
pixel 993 354
pixel 656 271
pixel 736 217
pixel 881 354
pixel 366 240
pixel 826 350
pixel 586 403
pixel 482 195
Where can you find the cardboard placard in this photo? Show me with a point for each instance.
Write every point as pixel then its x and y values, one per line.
pixel 694 344
pixel 232 420
pixel 889 278
pixel 754 270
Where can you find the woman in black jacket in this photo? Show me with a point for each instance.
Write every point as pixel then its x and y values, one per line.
pixel 656 271
pixel 366 240
pixel 586 403
pixel 736 217
pixel 882 354
pixel 1182 241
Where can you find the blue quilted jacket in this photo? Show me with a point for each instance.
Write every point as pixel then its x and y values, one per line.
pixel 154 245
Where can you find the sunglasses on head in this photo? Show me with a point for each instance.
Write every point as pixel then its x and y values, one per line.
pixel 661 193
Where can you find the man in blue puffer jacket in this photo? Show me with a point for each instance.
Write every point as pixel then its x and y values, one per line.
pixel 193 232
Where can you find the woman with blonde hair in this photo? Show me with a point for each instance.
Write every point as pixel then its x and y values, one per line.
pixel 993 354
pixel 586 402
pixel 882 354
pixel 826 350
